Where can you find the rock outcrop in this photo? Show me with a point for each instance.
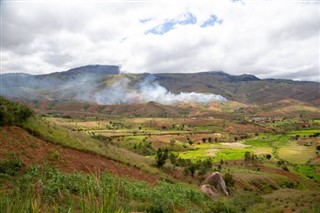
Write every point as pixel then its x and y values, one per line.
pixel 214 185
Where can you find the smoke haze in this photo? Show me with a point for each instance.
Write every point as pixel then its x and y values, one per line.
pixel 96 88
pixel 148 90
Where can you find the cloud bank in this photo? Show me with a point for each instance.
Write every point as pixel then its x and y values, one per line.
pixel 269 39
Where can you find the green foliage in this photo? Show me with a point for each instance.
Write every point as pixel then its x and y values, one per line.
pixel 144 148
pixel 50 190
pixel 285 168
pixel 242 202
pixel 12 112
pixel 173 158
pixel 220 207
pixel 245 200
pixel 191 167
pixel 11 166
pixel 309 171
pixel 268 156
pixel 287 184
pixel 228 179
pixel 247 156
pixel 162 156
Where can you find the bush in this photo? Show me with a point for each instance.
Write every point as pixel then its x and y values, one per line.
pixel 162 156
pixel 12 112
pixel 285 168
pixel 11 166
pixel 228 179
pixel 219 207
pixel 173 158
pixel 268 156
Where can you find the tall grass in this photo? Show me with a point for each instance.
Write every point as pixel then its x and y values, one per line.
pixel 42 189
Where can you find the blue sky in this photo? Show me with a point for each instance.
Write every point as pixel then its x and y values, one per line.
pixel 187 18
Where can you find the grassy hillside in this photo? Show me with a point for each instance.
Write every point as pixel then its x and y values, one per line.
pixel 96 162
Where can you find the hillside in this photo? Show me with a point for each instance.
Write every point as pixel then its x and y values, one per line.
pixel 102 162
pixel 88 82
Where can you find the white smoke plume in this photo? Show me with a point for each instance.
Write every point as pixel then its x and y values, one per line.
pixel 149 90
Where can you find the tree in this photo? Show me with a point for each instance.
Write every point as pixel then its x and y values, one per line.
pixel 192 169
pixel 162 156
pixel 268 156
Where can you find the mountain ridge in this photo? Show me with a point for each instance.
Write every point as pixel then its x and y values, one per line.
pixel 71 84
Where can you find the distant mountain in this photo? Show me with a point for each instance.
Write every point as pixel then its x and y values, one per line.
pixel 83 83
pixel 243 88
pixel 91 69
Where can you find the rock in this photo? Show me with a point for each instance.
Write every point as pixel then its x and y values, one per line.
pixel 210 191
pixel 215 179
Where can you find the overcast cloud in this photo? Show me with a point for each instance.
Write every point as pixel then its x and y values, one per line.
pixel 266 38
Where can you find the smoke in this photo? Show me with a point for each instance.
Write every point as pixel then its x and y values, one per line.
pixel 93 88
pixel 148 90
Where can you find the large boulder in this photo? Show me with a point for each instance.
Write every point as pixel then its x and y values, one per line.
pixel 213 185
pixel 210 191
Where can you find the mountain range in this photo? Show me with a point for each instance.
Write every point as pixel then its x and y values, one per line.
pixel 90 79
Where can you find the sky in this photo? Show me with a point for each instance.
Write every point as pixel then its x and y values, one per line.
pixel 269 39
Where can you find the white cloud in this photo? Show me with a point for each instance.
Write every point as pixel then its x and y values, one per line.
pixel 265 38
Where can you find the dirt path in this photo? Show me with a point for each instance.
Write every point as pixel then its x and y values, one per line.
pixel 32 150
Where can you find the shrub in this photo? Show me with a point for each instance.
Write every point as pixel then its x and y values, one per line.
pixel 245 200
pixel 285 168
pixel 12 112
pixel 173 158
pixel 162 156
pixel 219 207
pixel 228 179
pixel 11 166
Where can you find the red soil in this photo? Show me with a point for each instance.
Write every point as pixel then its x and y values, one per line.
pixel 32 150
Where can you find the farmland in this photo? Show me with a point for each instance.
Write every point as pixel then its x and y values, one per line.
pixel 96 163
pixel 199 138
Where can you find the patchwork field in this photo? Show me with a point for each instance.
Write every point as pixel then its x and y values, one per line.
pixel 204 138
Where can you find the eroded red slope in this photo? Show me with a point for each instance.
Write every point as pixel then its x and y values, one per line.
pixel 32 150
